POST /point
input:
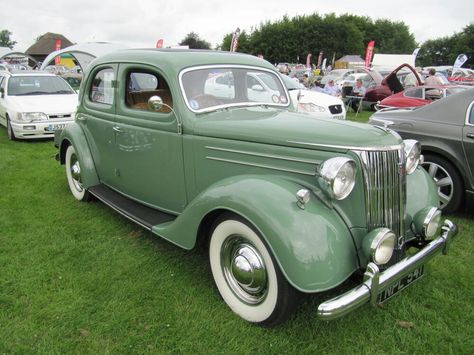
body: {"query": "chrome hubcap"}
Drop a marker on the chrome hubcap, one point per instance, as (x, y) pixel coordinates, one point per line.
(244, 270)
(75, 170)
(443, 182)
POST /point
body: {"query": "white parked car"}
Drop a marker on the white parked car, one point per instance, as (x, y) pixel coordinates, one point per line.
(315, 103)
(34, 104)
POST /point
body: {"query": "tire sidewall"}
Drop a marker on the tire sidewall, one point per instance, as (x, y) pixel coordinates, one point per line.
(79, 195)
(252, 313)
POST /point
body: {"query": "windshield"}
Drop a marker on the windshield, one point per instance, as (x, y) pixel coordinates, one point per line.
(38, 85)
(206, 89)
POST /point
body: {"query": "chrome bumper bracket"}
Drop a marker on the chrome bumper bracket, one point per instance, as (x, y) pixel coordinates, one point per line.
(376, 281)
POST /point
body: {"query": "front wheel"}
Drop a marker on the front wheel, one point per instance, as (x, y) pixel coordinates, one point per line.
(74, 177)
(11, 134)
(248, 278)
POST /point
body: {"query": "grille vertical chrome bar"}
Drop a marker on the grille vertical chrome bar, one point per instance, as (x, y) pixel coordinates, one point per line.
(385, 184)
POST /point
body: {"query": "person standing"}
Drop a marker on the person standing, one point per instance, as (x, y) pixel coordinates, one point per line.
(432, 79)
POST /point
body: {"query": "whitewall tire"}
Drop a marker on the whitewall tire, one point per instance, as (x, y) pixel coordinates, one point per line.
(246, 274)
(74, 178)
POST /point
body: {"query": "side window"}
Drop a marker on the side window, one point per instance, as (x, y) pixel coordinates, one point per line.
(142, 85)
(418, 93)
(102, 90)
(471, 115)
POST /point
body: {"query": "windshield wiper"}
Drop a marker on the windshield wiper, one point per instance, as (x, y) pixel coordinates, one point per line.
(33, 93)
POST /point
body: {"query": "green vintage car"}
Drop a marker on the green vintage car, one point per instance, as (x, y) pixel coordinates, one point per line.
(188, 145)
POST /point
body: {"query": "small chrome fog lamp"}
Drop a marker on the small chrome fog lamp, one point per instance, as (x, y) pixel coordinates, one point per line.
(427, 222)
(337, 177)
(412, 155)
(378, 245)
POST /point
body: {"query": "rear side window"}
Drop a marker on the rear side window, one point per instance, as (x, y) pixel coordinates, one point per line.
(102, 90)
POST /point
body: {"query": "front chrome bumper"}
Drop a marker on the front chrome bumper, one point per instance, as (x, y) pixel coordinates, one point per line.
(376, 281)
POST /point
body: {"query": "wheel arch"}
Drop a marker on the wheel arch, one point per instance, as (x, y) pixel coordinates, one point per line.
(313, 247)
(73, 135)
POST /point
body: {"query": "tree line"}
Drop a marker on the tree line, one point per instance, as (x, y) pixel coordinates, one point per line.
(291, 39)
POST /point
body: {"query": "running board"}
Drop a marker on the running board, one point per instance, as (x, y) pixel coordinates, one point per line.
(144, 216)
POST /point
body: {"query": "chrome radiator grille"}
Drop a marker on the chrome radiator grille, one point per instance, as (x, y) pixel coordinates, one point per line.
(385, 184)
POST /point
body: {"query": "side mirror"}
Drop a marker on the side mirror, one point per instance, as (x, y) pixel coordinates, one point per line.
(2, 93)
(155, 103)
(257, 87)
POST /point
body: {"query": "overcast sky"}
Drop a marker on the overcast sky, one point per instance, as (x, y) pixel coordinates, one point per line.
(140, 23)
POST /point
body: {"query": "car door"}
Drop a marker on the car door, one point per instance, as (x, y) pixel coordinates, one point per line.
(149, 153)
(97, 118)
(468, 141)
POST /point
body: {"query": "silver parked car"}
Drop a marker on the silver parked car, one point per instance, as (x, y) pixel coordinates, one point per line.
(445, 130)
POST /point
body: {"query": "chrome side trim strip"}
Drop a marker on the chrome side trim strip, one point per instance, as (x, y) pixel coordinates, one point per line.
(369, 149)
(262, 166)
(272, 156)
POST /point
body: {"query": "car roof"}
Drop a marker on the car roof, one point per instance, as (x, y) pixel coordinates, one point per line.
(175, 60)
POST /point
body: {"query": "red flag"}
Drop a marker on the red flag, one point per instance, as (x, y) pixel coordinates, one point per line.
(368, 54)
(57, 47)
(159, 44)
(308, 61)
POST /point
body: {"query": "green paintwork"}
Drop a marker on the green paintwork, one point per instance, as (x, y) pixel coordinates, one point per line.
(248, 160)
(313, 246)
(74, 135)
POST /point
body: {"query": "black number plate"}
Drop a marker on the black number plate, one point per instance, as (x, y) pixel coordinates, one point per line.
(401, 284)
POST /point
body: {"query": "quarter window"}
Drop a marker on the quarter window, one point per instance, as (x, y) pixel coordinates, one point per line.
(102, 90)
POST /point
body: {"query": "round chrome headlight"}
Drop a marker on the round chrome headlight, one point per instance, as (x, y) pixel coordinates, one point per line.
(379, 245)
(338, 177)
(412, 155)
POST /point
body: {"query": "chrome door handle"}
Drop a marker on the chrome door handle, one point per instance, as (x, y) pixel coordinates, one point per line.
(81, 118)
(470, 135)
(117, 129)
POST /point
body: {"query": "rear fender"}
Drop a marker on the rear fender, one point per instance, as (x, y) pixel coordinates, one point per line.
(313, 246)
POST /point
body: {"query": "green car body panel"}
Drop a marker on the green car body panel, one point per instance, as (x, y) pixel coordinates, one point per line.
(247, 160)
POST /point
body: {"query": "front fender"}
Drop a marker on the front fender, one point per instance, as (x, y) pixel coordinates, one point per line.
(74, 135)
(313, 246)
(421, 192)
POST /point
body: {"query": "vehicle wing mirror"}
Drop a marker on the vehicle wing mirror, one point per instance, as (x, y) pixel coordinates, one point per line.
(2, 93)
(155, 103)
(257, 87)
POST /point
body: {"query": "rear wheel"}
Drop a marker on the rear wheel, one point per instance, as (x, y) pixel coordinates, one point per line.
(246, 274)
(74, 177)
(448, 181)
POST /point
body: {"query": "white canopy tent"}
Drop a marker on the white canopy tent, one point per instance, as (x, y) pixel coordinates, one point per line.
(6, 52)
(392, 61)
(84, 53)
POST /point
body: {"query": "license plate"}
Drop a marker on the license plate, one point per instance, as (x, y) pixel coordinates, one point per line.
(338, 117)
(53, 127)
(401, 284)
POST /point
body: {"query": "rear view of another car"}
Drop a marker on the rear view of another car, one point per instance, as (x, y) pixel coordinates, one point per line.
(34, 104)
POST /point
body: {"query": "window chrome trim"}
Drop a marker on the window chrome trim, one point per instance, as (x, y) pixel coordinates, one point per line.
(232, 66)
(468, 114)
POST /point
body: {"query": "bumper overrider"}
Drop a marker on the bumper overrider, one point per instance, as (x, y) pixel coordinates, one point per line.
(376, 282)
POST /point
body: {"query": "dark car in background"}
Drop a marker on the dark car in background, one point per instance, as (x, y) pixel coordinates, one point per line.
(445, 130)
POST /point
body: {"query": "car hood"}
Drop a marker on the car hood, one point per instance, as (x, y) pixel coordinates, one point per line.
(280, 127)
(45, 103)
(317, 98)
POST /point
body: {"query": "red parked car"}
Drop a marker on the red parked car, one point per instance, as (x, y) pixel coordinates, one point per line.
(403, 76)
(419, 96)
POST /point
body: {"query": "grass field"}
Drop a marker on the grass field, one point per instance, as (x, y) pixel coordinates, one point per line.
(78, 278)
